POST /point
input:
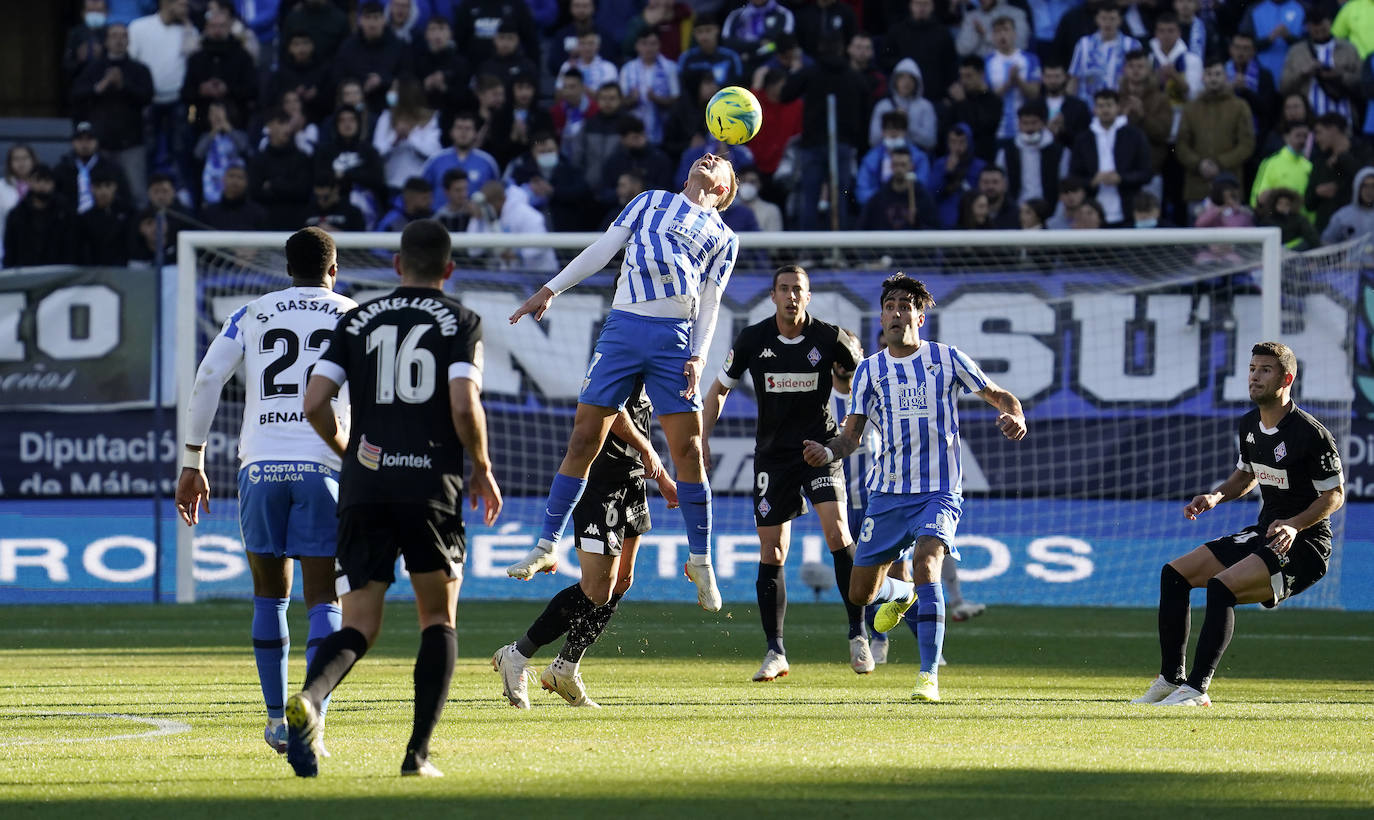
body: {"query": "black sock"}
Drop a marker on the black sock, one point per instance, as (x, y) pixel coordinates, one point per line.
(564, 608)
(332, 661)
(433, 671)
(1174, 623)
(772, 592)
(1216, 634)
(844, 567)
(585, 630)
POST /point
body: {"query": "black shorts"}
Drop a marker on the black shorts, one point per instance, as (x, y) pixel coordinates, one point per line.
(1302, 566)
(372, 535)
(783, 486)
(607, 514)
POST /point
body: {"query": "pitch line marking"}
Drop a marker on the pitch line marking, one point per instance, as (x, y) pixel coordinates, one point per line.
(161, 727)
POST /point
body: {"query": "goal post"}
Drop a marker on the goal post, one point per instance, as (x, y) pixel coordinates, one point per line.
(1123, 345)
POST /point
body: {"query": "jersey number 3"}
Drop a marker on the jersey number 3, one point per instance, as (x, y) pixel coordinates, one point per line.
(408, 373)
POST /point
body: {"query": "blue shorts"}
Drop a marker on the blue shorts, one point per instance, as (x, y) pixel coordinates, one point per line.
(631, 346)
(289, 509)
(893, 521)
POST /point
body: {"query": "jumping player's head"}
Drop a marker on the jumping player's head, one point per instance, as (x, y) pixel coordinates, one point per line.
(904, 302)
(1273, 367)
(426, 255)
(311, 259)
(715, 177)
(791, 294)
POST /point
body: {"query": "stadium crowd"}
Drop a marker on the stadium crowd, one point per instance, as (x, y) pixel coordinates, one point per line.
(531, 115)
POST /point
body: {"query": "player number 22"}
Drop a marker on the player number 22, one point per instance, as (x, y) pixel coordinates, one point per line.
(408, 372)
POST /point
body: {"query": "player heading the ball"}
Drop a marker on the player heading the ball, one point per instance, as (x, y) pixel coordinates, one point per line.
(678, 258)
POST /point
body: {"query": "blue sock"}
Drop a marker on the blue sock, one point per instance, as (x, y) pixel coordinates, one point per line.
(325, 620)
(930, 624)
(893, 590)
(695, 498)
(563, 496)
(271, 641)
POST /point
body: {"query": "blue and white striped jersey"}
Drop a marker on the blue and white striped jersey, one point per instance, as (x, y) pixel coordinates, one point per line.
(913, 403)
(675, 246)
(857, 463)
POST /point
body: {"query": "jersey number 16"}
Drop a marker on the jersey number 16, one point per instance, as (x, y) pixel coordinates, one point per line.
(408, 372)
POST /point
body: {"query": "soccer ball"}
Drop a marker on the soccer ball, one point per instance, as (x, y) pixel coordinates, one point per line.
(734, 115)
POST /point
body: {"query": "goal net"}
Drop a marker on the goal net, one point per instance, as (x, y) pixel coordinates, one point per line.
(1128, 349)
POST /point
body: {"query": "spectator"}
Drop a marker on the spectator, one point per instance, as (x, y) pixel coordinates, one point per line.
(974, 214)
(571, 105)
(552, 184)
(1099, 57)
(162, 198)
(457, 210)
(1089, 216)
(38, 231)
(784, 122)
(163, 42)
(507, 60)
(650, 84)
(753, 29)
(831, 75)
(876, 168)
(581, 18)
(464, 154)
(825, 20)
(742, 220)
(73, 171)
(1274, 25)
(954, 173)
(1073, 192)
(241, 32)
(145, 249)
(1355, 23)
(281, 176)
(1033, 214)
(1179, 70)
(479, 20)
(1145, 212)
(305, 134)
(19, 165)
(670, 19)
(860, 54)
(373, 54)
(321, 20)
(586, 58)
(685, 125)
(301, 70)
(634, 154)
(491, 103)
(219, 71)
(349, 94)
(975, 105)
(330, 210)
(102, 233)
(768, 215)
(349, 158)
(86, 39)
(599, 136)
(1074, 24)
(1282, 208)
(1034, 162)
(443, 73)
(925, 40)
(1224, 206)
(1002, 211)
(406, 136)
(1013, 74)
(627, 187)
(219, 147)
(498, 212)
(1149, 109)
(509, 134)
(1286, 167)
(404, 20)
(1114, 156)
(976, 30)
(1215, 135)
(1198, 35)
(1322, 68)
(235, 211)
(1251, 81)
(1334, 166)
(416, 202)
(1295, 108)
(708, 55)
(1357, 218)
(904, 95)
(111, 94)
(1068, 115)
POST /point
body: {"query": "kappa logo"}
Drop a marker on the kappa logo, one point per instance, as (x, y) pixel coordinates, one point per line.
(1280, 451)
(814, 356)
(767, 353)
(591, 530)
(1249, 438)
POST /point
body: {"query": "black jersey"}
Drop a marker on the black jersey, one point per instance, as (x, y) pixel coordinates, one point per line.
(1293, 463)
(618, 461)
(791, 381)
(399, 353)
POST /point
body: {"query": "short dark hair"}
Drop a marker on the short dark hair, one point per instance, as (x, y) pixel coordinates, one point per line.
(1053, 62)
(417, 185)
(629, 124)
(1213, 59)
(1137, 54)
(894, 119)
(160, 176)
(1289, 125)
(917, 289)
(972, 61)
(452, 175)
(309, 253)
(573, 72)
(42, 170)
(1317, 12)
(899, 152)
(1288, 360)
(1167, 17)
(1105, 6)
(1106, 94)
(1069, 184)
(1334, 119)
(796, 269)
(1034, 108)
(1144, 201)
(1003, 20)
(993, 169)
(425, 249)
(1249, 37)
(1043, 210)
(646, 33)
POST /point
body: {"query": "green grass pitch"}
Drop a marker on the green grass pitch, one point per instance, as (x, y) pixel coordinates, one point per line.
(1034, 722)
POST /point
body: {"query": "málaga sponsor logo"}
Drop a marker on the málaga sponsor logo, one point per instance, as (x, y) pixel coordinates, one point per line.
(790, 382)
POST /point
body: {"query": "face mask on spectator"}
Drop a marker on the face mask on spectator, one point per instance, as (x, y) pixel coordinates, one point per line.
(546, 162)
(748, 191)
(893, 143)
(392, 98)
(1032, 139)
(95, 19)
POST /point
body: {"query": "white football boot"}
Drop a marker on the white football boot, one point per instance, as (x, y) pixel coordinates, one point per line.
(774, 667)
(1160, 688)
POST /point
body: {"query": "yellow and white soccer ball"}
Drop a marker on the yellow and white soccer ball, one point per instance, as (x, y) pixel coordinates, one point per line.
(734, 115)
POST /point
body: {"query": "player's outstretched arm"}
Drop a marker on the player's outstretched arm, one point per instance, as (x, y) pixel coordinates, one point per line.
(1283, 533)
(1237, 484)
(624, 429)
(841, 446)
(1012, 420)
(319, 392)
(470, 423)
(592, 259)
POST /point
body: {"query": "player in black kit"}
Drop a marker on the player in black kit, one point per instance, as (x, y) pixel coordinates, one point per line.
(606, 524)
(791, 357)
(1295, 461)
(412, 360)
